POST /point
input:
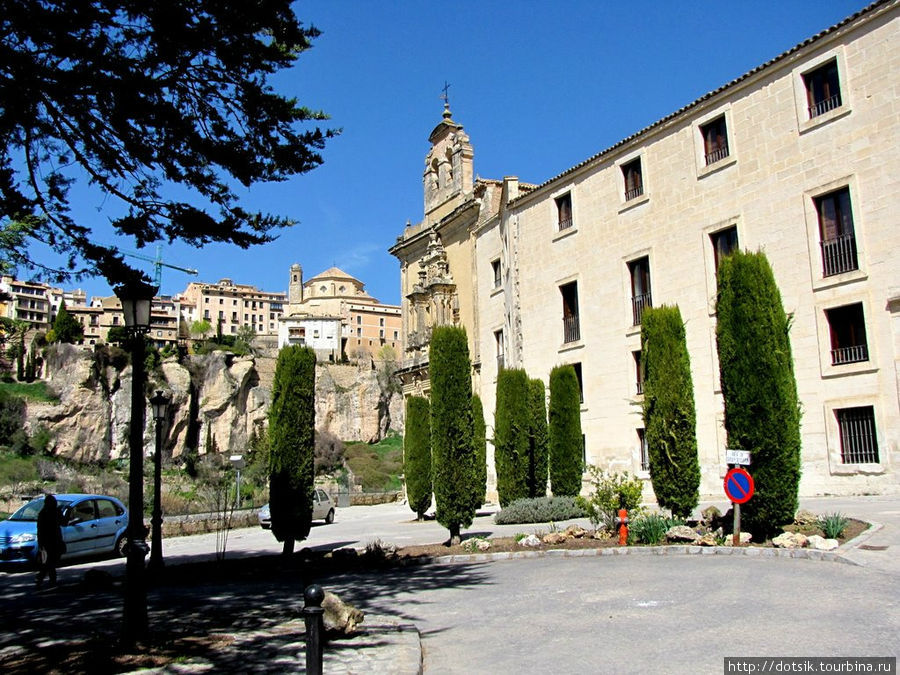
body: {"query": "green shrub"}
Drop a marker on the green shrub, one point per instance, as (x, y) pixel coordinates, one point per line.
(670, 419)
(759, 391)
(566, 443)
(538, 440)
(511, 435)
(539, 510)
(650, 529)
(608, 491)
(417, 454)
(833, 524)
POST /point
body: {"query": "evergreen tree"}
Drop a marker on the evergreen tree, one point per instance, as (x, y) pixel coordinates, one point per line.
(670, 419)
(29, 367)
(538, 440)
(452, 433)
(512, 423)
(480, 451)
(762, 413)
(164, 108)
(566, 443)
(292, 418)
(66, 327)
(417, 454)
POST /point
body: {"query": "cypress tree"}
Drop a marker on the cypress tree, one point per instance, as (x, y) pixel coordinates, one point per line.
(512, 424)
(670, 419)
(480, 432)
(762, 413)
(292, 418)
(565, 432)
(417, 454)
(538, 440)
(66, 327)
(452, 432)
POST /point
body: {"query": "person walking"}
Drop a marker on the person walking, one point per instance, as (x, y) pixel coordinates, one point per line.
(50, 540)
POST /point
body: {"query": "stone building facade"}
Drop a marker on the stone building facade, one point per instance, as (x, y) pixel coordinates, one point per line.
(797, 158)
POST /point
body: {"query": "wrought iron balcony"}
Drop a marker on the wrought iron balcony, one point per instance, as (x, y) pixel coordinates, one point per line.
(571, 328)
(638, 303)
(853, 354)
(839, 255)
(825, 105)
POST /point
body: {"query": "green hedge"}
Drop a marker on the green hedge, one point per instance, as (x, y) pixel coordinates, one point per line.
(762, 413)
(565, 432)
(512, 423)
(538, 440)
(417, 454)
(539, 510)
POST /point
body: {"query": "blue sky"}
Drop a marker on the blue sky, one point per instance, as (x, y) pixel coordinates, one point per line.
(538, 86)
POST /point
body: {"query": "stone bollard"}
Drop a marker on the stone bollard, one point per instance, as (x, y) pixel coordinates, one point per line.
(315, 627)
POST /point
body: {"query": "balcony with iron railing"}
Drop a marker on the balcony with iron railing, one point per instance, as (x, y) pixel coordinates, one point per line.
(825, 105)
(634, 193)
(565, 224)
(839, 255)
(717, 154)
(638, 303)
(571, 328)
(639, 387)
(852, 354)
(500, 362)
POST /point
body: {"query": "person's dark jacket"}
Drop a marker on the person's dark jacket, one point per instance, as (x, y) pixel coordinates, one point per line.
(49, 529)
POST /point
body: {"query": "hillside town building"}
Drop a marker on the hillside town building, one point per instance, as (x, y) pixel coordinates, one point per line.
(332, 313)
(799, 158)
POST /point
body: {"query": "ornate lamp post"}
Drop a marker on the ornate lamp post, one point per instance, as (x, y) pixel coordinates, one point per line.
(136, 298)
(160, 406)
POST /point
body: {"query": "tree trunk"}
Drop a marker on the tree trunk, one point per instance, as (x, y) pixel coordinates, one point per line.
(454, 534)
(288, 547)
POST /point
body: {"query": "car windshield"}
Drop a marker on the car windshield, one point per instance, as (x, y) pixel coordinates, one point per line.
(29, 512)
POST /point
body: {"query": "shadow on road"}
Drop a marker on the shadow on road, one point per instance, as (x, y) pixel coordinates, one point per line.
(221, 612)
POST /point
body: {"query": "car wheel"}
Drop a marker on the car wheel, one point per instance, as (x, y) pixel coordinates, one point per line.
(330, 517)
(122, 546)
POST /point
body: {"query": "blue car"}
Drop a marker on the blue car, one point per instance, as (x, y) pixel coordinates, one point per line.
(93, 526)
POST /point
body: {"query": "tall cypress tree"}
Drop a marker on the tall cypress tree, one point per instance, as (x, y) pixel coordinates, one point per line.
(292, 421)
(670, 418)
(452, 432)
(565, 432)
(538, 441)
(512, 424)
(417, 454)
(66, 327)
(762, 413)
(480, 433)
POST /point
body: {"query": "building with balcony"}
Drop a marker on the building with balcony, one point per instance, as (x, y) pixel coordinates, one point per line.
(229, 306)
(783, 159)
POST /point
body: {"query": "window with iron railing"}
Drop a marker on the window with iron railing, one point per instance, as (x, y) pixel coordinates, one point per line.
(564, 211)
(496, 270)
(859, 441)
(823, 89)
(715, 140)
(640, 288)
(645, 451)
(638, 372)
(836, 233)
(847, 326)
(571, 325)
(634, 179)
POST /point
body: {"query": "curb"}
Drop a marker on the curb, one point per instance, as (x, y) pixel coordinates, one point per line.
(752, 551)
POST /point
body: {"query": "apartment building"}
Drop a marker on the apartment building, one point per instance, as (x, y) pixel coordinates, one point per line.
(230, 306)
(797, 158)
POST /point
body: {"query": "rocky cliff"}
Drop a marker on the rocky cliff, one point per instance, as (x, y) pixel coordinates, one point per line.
(218, 396)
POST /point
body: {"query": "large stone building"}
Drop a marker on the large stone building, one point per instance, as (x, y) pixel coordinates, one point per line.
(797, 158)
(229, 305)
(332, 313)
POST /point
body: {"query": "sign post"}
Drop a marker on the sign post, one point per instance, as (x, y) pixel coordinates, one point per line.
(738, 488)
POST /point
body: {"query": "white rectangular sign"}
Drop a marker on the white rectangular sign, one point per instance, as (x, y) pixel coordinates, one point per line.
(740, 457)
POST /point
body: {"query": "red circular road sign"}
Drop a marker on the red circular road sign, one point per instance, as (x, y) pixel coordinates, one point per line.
(738, 485)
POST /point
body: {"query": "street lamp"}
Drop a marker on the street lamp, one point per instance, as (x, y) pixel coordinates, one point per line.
(237, 461)
(160, 406)
(136, 298)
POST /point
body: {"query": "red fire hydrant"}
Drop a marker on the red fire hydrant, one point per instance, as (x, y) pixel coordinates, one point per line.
(622, 522)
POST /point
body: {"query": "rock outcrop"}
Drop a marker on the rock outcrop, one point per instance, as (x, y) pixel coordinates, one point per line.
(218, 397)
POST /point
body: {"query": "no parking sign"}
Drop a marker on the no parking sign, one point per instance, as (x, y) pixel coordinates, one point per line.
(738, 485)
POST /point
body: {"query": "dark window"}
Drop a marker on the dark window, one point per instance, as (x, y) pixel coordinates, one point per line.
(823, 89)
(583, 450)
(577, 367)
(84, 511)
(106, 509)
(838, 239)
(724, 242)
(564, 211)
(634, 180)
(645, 453)
(495, 268)
(381, 321)
(498, 341)
(859, 443)
(848, 334)
(715, 140)
(638, 372)
(640, 287)
(571, 326)
(358, 319)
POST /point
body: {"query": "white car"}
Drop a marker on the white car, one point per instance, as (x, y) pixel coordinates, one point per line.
(323, 509)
